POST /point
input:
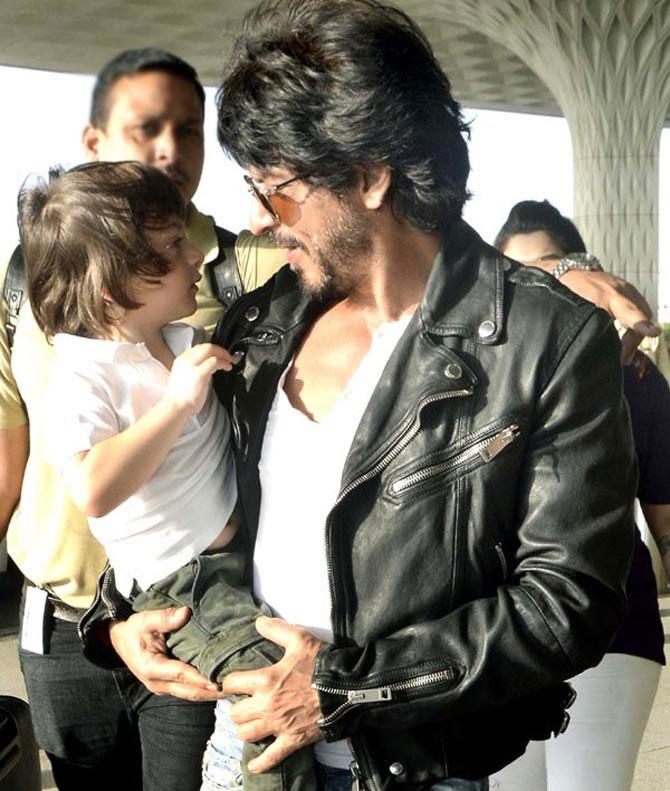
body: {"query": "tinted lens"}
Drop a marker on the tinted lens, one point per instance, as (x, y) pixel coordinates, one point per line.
(263, 199)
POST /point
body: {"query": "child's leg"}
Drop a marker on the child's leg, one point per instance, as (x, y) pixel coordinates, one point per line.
(221, 637)
(226, 759)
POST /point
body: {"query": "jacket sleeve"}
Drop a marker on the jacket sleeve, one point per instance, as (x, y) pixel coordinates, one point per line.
(562, 599)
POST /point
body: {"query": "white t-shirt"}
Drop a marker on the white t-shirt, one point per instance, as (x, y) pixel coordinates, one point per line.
(300, 469)
(98, 389)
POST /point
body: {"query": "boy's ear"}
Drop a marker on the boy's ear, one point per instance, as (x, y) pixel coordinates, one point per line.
(90, 138)
(374, 181)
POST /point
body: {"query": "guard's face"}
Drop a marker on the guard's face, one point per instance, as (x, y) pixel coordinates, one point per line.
(154, 118)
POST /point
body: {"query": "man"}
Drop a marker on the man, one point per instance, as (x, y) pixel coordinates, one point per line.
(147, 105)
(438, 435)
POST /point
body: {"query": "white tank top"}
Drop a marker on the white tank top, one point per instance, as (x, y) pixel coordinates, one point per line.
(300, 474)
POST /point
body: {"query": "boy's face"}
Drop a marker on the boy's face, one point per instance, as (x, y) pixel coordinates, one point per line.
(155, 118)
(173, 297)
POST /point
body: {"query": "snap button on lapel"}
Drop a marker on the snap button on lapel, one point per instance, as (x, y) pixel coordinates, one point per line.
(396, 768)
(252, 313)
(453, 371)
(486, 328)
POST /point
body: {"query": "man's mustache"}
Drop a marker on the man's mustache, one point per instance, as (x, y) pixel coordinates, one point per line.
(289, 242)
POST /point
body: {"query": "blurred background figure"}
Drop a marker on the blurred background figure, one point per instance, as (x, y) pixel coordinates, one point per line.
(599, 749)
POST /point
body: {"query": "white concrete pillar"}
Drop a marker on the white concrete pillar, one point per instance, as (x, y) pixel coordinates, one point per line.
(608, 64)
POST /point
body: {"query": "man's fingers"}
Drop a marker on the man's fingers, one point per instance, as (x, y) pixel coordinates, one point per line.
(284, 634)
(646, 328)
(242, 682)
(243, 710)
(139, 641)
(629, 342)
(253, 731)
(163, 621)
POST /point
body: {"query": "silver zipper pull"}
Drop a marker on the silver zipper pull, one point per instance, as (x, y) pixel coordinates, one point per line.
(355, 776)
(499, 443)
(369, 695)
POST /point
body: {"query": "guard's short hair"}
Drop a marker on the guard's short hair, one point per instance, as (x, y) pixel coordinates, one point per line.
(325, 87)
(83, 235)
(131, 62)
(529, 216)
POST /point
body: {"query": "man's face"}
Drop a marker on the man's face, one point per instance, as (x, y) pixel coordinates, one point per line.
(326, 236)
(155, 118)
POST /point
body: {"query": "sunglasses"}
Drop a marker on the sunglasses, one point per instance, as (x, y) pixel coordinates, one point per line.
(263, 195)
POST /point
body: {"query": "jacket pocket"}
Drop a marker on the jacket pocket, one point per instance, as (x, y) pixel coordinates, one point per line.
(482, 451)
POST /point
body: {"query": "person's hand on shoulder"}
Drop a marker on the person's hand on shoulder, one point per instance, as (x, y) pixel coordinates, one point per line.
(621, 300)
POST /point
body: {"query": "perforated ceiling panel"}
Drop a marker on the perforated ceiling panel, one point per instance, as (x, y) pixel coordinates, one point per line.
(80, 35)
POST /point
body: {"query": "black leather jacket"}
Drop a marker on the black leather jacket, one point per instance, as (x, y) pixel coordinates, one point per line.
(480, 542)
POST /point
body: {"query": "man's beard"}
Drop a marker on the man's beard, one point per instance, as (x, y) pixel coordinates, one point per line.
(338, 253)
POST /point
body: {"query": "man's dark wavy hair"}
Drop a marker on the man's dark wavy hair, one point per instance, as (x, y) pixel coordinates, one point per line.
(325, 87)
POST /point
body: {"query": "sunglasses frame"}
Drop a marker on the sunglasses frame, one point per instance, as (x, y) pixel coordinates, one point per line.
(263, 195)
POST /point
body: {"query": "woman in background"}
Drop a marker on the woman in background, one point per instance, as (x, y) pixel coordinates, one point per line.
(599, 749)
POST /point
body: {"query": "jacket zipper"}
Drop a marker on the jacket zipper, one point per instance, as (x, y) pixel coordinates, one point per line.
(357, 697)
(487, 449)
(411, 432)
(357, 780)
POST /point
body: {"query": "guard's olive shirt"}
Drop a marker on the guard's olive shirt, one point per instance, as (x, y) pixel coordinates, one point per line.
(48, 536)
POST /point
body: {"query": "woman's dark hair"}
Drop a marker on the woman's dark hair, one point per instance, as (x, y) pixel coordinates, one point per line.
(529, 216)
(327, 87)
(83, 236)
(135, 61)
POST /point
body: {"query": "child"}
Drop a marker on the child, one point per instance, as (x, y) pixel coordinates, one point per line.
(141, 440)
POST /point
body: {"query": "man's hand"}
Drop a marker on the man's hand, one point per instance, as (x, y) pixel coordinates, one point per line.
(281, 700)
(140, 642)
(621, 300)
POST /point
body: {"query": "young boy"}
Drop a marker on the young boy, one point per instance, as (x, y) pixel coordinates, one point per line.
(141, 440)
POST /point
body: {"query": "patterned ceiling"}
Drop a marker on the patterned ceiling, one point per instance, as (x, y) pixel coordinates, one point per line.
(80, 35)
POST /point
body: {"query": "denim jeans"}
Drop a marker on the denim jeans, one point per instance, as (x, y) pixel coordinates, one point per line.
(103, 730)
(222, 769)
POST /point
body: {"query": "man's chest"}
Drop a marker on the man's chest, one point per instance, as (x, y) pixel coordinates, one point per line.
(324, 364)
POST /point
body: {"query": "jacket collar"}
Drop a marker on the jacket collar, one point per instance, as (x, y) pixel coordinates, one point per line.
(464, 294)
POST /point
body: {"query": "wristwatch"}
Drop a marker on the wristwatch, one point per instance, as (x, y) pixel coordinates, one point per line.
(583, 262)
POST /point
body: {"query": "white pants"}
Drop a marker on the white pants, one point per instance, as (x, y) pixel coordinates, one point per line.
(599, 749)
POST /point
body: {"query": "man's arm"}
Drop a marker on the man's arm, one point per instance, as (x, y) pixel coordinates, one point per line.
(619, 298)
(13, 457)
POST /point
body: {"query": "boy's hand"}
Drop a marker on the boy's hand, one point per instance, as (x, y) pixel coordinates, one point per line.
(191, 373)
